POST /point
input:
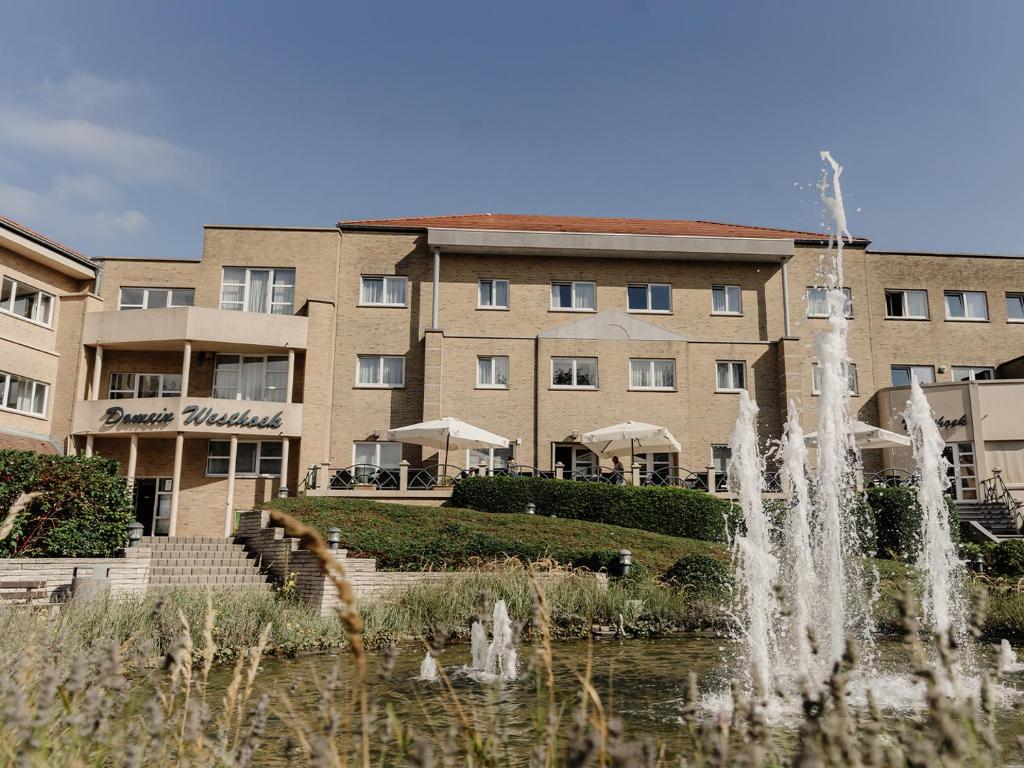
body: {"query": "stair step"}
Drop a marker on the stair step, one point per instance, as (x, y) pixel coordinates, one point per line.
(164, 588)
(204, 579)
(216, 570)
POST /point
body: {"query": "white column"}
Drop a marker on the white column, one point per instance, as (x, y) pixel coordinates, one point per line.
(785, 297)
(97, 368)
(435, 309)
(179, 447)
(88, 445)
(291, 378)
(286, 445)
(186, 366)
(230, 506)
(133, 458)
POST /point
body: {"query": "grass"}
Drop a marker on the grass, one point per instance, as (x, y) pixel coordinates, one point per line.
(405, 537)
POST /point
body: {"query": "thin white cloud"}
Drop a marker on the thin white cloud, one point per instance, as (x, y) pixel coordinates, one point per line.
(123, 223)
(69, 205)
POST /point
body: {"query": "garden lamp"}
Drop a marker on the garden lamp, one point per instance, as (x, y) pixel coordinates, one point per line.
(625, 561)
(531, 508)
(334, 537)
(134, 533)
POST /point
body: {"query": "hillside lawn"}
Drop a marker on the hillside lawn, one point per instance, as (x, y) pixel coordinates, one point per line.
(407, 538)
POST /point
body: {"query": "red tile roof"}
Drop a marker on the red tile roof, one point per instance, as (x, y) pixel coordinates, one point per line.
(22, 443)
(44, 240)
(529, 223)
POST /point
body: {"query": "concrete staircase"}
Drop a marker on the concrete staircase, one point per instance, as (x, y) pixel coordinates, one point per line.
(201, 562)
(992, 517)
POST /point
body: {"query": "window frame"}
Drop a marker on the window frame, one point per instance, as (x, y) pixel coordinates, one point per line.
(851, 367)
(910, 372)
(136, 381)
(480, 384)
(258, 458)
(973, 369)
(575, 373)
(817, 316)
(493, 281)
(145, 297)
(963, 300)
(264, 389)
(573, 284)
(385, 279)
(732, 378)
(380, 372)
(377, 445)
(1019, 296)
(726, 289)
(648, 309)
(904, 291)
(651, 361)
(271, 284)
(51, 302)
(5, 385)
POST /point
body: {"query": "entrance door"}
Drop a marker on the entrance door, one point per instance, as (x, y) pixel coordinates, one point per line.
(654, 467)
(153, 504)
(578, 460)
(963, 473)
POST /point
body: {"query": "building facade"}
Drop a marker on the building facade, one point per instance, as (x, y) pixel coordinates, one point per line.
(281, 350)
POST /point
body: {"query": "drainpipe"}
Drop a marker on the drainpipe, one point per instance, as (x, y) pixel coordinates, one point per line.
(435, 309)
(785, 298)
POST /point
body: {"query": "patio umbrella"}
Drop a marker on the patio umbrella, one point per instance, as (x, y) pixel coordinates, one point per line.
(446, 433)
(630, 435)
(868, 436)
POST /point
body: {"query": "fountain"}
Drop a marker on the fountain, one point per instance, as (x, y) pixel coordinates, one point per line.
(490, 659)
(428, 668)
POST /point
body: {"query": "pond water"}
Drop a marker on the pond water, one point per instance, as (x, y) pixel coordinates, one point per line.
(642, 682)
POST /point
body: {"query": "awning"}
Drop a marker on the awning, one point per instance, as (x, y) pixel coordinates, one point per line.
(630, 437)
(446, 433)
(867, 436)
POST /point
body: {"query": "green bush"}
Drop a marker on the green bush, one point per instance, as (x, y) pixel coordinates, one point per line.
(1008, 558)
(672, 511)
(699, 573)
(896, 522)
(83, 510)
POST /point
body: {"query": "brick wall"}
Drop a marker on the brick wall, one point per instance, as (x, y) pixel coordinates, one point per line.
(128, 575)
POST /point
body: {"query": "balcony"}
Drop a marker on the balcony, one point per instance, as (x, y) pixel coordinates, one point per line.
(195, 416)
(168, 329)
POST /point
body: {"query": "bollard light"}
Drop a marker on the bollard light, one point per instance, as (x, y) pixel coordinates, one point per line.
(134, 533)
(282, 492)
(531, 508)
(334, 537)
(625, 561)
(979, 563)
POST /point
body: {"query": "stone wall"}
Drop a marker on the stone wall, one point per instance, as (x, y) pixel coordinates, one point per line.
(128, 575)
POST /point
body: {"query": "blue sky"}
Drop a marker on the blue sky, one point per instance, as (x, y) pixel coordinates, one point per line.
(124, 127)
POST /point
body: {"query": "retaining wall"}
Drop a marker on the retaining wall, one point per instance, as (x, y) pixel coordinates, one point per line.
(128, 575)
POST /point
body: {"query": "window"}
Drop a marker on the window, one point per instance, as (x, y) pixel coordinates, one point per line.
(130, 385)
(26, 302)
(492, 294)
(251, 458)
(725, 300)
(22, 394)
(909, 305)
(251, 377)
(574, 297)
(156, 298)
(384, 291)
(383, 455)
(245, 289)
(901, 374)
(574, 372)
(973, 372)
(851, 378)
(966, 305)
(720, 456)
(494, 458)
(649, 297)
(817, 302)
(386, 371)
(1015, 307)
(652, 374)
(730, 375)
(492, 372)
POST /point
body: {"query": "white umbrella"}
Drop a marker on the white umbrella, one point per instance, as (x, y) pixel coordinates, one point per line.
(446, 433)
(868, 436)
(629, 436)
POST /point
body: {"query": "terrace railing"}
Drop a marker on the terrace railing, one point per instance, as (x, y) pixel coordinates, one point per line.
(437, 476)
(678, 477)
(890, 477)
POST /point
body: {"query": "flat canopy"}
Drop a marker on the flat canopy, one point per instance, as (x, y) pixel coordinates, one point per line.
(869, 436)
(630, 437)
(447, 433)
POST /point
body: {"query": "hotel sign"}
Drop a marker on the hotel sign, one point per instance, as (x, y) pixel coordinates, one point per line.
(193, 415)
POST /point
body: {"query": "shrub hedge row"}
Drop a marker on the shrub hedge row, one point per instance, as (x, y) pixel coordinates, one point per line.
(83, 510)
(893, 527)
(672, 511)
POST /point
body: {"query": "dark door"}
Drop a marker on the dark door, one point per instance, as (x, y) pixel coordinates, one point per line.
(145, 503)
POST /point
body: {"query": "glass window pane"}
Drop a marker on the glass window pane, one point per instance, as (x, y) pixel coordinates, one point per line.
(665, 374)
(486, 298)
(732, 298)
(586, 372)
(817, 306)
(900, 376)
(39, 398)
(917, 304)
(284, 277)
(365, 453)
(501, 293)
(561, 371)
(394, 371)
(25, 300)
(149, 385)
(720, 455)
(1015, 307)
(816, 378)
(395, 290)
(977, 307)
(894, 304)
(369, 370)
(6, 293)
(661, 298)
(259, 289)
(738, 376)
(954, 305)
(848, 304)
(722, 379)
(718, 299)
(586, 296)
(121, 385)
(282, 299)
(373, 290)
(851, 378)
(45, 308)
(637, 297)
(245, 459)
(925, 374)
(131, 298)
(183, 297)
(390, 455)
(561, 295)
(639, 373)
(156, 298)
(483, 371)
(500, 371)
(172, 384)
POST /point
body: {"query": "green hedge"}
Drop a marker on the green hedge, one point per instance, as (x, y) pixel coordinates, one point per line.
(83, 511)
(672, 511)
(891, 519)
(1007, 559)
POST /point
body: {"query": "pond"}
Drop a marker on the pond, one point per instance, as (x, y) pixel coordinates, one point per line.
(642, 682)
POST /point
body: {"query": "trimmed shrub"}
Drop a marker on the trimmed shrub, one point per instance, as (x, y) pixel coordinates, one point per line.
(83, 510)
(1007, 558)
(699, 573)
(672, 511)
(896, 522)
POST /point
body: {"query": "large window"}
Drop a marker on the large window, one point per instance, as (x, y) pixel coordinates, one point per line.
(901, 374)
(851, 378)
(649, 297)
(26, 302)
(385, 371)
(374, 454)
(252, 458)
(726, 300)
(156, 298)
(22, 394)
(1015, 307)
(652, 374)
(730, 375)
(973, 372)
(247, 289)
(492, 294)
(966, 305)
(494, 458)
(907, 305)
(574, 296)
(720, 456)
(384, 291)
(817, 302)
(129, 385)
(492, 372)
(574, 372)
(251, 377)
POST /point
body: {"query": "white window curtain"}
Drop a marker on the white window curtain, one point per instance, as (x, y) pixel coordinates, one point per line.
(723, 376)
(976, 305)
(373, 290)
(916, 303)
(259, 283)
(718, 300)
(394, 371)
(225, 377)
(501, 293)
(252, 378)
(394, 290)
(232, 294)
(585, 296)
(664, 374)
(492, 371)
(282, 297)
(639, 374)
(817, 303)
(369, 369)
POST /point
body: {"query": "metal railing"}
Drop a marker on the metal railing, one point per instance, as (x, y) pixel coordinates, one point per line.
(521, 470)
(438, 476)
(598, 474)
(363, 474)
(890, 477)
(994, 489)
(678, 477)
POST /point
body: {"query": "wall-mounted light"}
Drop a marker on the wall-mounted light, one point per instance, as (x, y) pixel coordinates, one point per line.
(201, 359)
